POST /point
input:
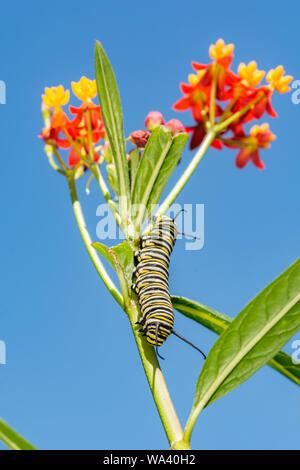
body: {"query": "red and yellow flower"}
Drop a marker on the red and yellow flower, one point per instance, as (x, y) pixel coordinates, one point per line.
(247, 99)
(260, 137)
(278, 81)
(84, 130)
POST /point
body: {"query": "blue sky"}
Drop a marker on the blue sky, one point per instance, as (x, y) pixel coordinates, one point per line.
(73, 378)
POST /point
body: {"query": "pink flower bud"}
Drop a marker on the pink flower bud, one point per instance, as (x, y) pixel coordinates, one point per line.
(154, 119)
(105, 148)
(139, 138)
(175, 126)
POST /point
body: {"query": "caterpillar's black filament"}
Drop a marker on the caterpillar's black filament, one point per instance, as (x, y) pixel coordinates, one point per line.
(152, 282)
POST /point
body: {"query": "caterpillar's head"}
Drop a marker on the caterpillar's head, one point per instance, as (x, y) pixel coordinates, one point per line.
(156, 219)
(156, 335)
(166, 224)
(164, 219)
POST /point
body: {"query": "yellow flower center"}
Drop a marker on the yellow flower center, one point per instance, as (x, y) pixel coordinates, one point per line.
(194, 78)
(250, 74)
(85, 89)
(197, 96)
(278, 81)
(220, 49)
(56, 97)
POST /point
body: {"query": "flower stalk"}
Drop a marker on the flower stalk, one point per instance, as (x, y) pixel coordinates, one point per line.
(210, 136)
(88, 241)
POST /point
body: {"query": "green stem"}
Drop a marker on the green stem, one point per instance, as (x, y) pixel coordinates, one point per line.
(91, 146)
(187, 173)
(72, 143)
(88, 242)
(103, 186)
(213, 99)
(223, 124)
(105, 191)
(94, 168)
(49, 152)
(208, 139)
(59, 159)
(154, 375)
(97, 173)
(157, 383)
(228, 109)
(192, 421)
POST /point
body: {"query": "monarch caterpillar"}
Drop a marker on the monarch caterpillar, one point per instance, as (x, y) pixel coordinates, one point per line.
(152, 282)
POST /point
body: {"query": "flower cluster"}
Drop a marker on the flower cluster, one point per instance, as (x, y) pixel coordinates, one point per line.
(221, 102)
(83, 131)
(236, 99)
(154, 119)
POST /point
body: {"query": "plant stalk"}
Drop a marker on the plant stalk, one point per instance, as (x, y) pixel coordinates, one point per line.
(88, 242)
(187, 173)
(148, 357)
(157, 383)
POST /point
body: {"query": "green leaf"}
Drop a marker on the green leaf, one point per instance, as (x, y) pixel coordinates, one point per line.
(113, 120)
(151, 162)
(250, 341)
(170, 162)
(124, 254)
(283, 363)
(12, 439)
(218, 322)
(121, 259)
(133, 166)
(208, 317)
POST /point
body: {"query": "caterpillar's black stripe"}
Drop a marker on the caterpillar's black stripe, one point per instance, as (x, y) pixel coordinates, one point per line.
(152, 281)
